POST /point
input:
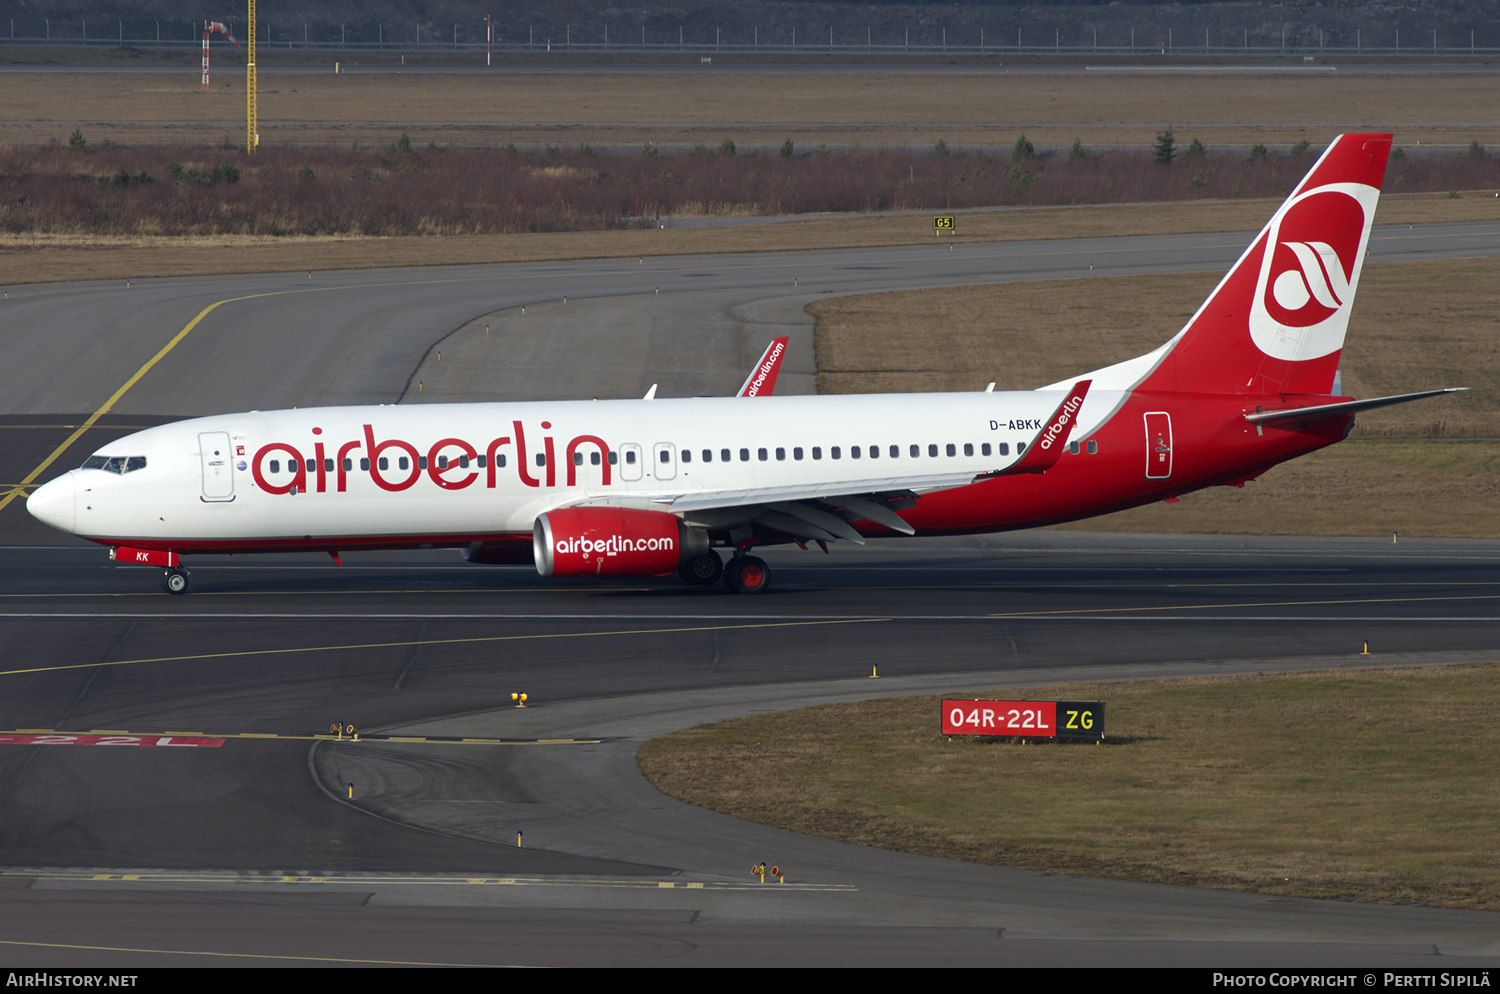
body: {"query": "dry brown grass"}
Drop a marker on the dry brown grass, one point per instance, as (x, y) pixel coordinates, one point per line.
(1365, 785)
(42, 259)
(987, 108)
(1417, 325)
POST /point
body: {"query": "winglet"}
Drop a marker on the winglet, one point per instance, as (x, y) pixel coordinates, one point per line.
(1044, 451)
(762, 379)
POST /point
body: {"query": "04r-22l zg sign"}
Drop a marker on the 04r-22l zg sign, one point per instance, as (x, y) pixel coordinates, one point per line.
(1082, 720)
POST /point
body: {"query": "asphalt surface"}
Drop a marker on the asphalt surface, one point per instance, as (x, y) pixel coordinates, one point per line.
(256, 852)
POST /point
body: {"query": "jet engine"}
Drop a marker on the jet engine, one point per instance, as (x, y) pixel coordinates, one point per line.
(613, 541)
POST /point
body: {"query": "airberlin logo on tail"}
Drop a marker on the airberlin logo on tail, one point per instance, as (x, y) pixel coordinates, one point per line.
(773, 356)
(1308, 272)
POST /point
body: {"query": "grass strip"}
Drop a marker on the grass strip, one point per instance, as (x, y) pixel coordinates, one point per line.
(1361, 785)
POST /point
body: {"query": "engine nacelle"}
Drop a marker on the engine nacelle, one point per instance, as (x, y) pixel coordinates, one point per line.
(613, 541)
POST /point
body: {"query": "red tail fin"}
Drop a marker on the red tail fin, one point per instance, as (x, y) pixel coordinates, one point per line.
(1276, 323)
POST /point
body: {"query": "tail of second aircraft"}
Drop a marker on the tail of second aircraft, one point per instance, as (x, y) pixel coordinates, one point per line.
(1275, 324)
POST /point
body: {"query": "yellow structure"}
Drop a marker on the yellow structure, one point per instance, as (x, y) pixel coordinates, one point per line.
(252, 124)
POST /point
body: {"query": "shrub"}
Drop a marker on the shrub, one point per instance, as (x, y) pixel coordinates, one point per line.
(306, 174)
(1195, 150)
(1077, 152)
(941, 148)
(1300, 149)
(1398, 153)
(726, 146)
(1476, 150)
(403, 144)
(225, 172)
(584, 148)
(552, 150)
(787, 150)
(1022, 150)
(76, 141)
(648, 151)
(1257, 151)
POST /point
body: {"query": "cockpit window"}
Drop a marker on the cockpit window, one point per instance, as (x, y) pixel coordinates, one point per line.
(115, 464)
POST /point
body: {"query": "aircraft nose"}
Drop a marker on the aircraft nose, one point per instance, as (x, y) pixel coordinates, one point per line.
(55, 504)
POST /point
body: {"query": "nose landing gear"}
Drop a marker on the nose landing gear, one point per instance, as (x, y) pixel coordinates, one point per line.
(174, 580)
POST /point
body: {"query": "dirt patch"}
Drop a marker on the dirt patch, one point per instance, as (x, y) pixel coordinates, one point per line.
(983, 108)
(1364, 786)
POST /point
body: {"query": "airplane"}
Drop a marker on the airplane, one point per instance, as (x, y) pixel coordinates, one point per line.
(645, 488)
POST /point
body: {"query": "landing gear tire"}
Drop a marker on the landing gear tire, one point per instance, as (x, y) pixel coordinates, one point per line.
(702, 570)
(747, 575)
(174, 581)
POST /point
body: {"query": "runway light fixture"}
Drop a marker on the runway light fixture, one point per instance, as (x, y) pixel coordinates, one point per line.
(520, 700)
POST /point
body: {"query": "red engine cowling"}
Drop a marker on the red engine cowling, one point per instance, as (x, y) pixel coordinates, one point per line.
(612, 541)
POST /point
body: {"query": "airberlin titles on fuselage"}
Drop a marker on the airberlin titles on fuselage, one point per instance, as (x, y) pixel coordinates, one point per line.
(452, 463)
(395, 464)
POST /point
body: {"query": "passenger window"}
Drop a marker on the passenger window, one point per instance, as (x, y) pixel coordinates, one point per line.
(1020, 447)
(895, 451)
(744, 455)
(833, 452)
(594, 459)
(932, 451)
(854, 452)
(442, 462)
(666, 455)
(364, 464)
(984, 449)
(687, 455)
(968, 448)
(761, 454)
(138, 462)
(311, 465)
(952, 449)
(479, 461)
(614, 459)
(500, 459)
(463, 462)
(328, 465)
(276, 465)
(874, 452)
(708, 455)
(1003, 448)
(348, 465)
(1093, 447)
(723, 455)
(541, 459)
(817, 452)
(916, 450)
(797, 453)
(781, 455)
(578, 459)
(630, 458)
(383, 463)
(1073, 448)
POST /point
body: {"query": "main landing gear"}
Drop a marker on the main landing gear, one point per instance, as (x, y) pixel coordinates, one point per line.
(702, 570)
(743, 575)
(747, 575)
(174, 580)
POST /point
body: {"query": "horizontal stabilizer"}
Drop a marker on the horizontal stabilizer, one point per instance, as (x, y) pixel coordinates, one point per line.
(1343, 407)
